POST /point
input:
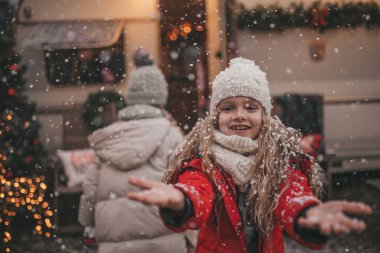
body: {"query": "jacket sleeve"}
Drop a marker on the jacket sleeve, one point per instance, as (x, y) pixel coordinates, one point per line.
(89, 196)
(296, 195)
(199, 190)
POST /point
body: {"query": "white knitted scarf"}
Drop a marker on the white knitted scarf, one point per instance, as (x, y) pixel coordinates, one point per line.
(236, 155)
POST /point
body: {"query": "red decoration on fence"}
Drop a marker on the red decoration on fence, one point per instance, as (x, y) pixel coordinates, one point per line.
(319, 16)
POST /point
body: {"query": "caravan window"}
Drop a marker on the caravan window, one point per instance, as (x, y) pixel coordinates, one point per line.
(86, 66)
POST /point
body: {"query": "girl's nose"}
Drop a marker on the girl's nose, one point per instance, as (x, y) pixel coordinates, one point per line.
(240, 115)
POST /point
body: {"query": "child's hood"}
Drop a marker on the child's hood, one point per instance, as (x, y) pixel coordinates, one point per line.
(128, 144)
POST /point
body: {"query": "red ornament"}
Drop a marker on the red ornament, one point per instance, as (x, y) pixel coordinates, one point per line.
(11, 92)
(319, 16)
(9, 175)
(14, 67)
(29, 159)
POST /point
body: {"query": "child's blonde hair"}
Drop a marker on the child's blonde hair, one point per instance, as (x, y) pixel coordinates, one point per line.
(277, 145)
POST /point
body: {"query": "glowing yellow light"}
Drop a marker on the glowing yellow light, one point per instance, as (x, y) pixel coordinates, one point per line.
(38, 180)
(22, 180)
(186, 27)
(9, 117)
(8, 235)
(47, 234)
(48, 223)
(10, 193)
(8, 250)
(2, 195)
(29, 207)
(26, 124)
(43, 186)
(172, 37)
(45, 204)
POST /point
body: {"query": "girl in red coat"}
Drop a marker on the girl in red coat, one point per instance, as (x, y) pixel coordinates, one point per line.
(242, 178)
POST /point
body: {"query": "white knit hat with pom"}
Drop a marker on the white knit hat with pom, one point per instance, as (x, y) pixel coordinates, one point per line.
(243, 78)
(147, 84)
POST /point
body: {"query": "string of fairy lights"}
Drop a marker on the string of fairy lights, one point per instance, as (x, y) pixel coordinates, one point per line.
(27, 193)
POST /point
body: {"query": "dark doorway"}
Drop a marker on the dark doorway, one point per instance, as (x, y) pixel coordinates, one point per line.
(184, 61)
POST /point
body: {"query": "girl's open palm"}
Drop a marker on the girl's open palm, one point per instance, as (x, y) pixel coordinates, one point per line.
(332, 217)
(157, 193)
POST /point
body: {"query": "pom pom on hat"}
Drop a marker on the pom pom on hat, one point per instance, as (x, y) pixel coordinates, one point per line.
(142, 58)
(147, 84)
(242, 78)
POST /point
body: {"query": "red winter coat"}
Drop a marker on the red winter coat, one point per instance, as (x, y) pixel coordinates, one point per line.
(230, 238)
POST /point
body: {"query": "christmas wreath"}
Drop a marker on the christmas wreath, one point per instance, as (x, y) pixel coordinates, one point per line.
(317, 16)
(94, 106)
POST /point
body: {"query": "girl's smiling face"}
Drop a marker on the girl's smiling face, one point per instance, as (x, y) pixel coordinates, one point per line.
(240, 116)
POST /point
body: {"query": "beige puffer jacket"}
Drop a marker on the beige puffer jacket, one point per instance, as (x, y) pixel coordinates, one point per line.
(139, 148)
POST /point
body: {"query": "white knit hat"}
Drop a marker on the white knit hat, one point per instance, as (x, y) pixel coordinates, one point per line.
(147, 84)
(243, 78)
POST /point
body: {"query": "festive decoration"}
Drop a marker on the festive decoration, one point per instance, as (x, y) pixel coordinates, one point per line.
(25, 193)
(319, 15)
(22, 158)
(11, 92)
(95, 105)
(183, 31)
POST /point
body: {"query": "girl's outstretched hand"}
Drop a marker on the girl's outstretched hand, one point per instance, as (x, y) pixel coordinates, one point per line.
(332, 217)
(157, 193)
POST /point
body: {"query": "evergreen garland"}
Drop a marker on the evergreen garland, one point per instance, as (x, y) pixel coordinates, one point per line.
(94, 106)
(317, 16)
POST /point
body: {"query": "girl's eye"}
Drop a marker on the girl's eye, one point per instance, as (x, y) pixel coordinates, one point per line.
(251, 107)
(226, 108)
